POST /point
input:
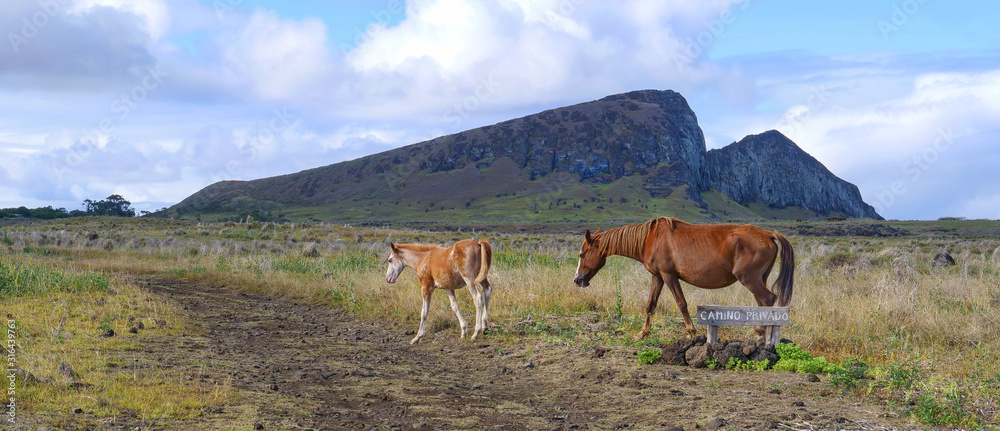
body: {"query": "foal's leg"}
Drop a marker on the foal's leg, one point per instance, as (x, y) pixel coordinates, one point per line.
(458, 312)
(487, 294)
(654, 295)
(425, 291)
(478, 300)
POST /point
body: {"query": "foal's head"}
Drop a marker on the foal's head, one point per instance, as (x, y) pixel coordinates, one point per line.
(396, 264)
(592, 259)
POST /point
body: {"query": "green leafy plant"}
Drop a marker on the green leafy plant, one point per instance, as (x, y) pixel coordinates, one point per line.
(650, 356)
(933, 411)
(849, 374)
(793, 358)
(712, 363)
(735, 364)
(902, 375)
(106, 324)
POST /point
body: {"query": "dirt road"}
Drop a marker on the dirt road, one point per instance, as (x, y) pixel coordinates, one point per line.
(298, 366)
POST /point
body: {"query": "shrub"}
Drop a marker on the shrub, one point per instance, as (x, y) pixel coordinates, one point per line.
(902, 375)
(849, 374)
(650, 356)
(932, 411)
(793, 358)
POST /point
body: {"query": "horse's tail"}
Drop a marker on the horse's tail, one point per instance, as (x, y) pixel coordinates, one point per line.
(783, 285)
(486, 259)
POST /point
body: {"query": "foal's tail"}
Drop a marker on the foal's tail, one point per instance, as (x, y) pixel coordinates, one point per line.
(783, 285)
(486, 259)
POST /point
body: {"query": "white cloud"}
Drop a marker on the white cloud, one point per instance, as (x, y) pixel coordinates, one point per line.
(550, 52)
(985, 206)
(279, 58)
(154, 13)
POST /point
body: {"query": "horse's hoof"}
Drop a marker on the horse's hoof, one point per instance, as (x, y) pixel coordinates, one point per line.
(414, 341)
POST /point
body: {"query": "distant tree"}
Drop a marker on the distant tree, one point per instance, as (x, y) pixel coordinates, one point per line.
(114, 205)
(40, 213)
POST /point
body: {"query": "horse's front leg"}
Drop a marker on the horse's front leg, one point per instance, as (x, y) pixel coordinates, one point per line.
(425, 291)
(654, 295)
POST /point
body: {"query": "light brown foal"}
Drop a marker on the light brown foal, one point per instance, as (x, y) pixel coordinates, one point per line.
(464, 264)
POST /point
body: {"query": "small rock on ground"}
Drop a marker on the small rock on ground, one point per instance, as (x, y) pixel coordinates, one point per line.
(715, 424)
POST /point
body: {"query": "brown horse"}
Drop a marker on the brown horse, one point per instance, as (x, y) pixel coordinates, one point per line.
(706, 256)
(464, 264)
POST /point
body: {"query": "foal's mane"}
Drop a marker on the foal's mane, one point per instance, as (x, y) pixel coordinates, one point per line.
(628, 240)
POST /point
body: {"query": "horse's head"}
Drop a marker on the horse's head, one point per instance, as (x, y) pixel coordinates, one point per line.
(592, 259)
(396, 264)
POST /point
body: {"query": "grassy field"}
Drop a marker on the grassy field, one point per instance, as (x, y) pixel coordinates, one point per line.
(925, 339)
(60, 315)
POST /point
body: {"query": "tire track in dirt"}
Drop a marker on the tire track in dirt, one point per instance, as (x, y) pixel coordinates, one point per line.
(340, 372)
(300, 366)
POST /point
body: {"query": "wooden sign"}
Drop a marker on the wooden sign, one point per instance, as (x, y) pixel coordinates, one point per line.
(771, 318)
(718, 315)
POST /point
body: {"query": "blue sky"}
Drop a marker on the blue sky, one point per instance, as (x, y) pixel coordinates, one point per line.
(155, 99)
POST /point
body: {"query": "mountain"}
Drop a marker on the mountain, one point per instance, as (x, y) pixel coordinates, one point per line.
(770, 168)
(626, 156)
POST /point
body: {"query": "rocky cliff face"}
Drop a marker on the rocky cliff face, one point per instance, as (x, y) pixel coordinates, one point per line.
(770, 168)
(602, 141)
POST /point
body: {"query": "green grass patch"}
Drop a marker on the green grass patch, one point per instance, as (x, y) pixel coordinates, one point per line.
(793, 358)
(21, 277)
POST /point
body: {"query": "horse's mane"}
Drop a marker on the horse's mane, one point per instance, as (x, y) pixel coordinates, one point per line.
(420, 248)
(627, 240)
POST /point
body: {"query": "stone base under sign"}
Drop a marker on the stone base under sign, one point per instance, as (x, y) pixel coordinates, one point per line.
(696, 352)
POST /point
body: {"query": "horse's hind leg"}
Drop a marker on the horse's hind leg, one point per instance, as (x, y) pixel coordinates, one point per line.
(764, 297)
(458, 312)
(477, 298)
(487, 295)
(675, 288)
(425, 291)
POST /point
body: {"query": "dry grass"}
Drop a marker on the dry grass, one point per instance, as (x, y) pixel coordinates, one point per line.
(878, 300)
(60, 315)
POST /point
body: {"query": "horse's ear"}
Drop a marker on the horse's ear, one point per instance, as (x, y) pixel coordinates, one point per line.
(392, 246)
(590, 239)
